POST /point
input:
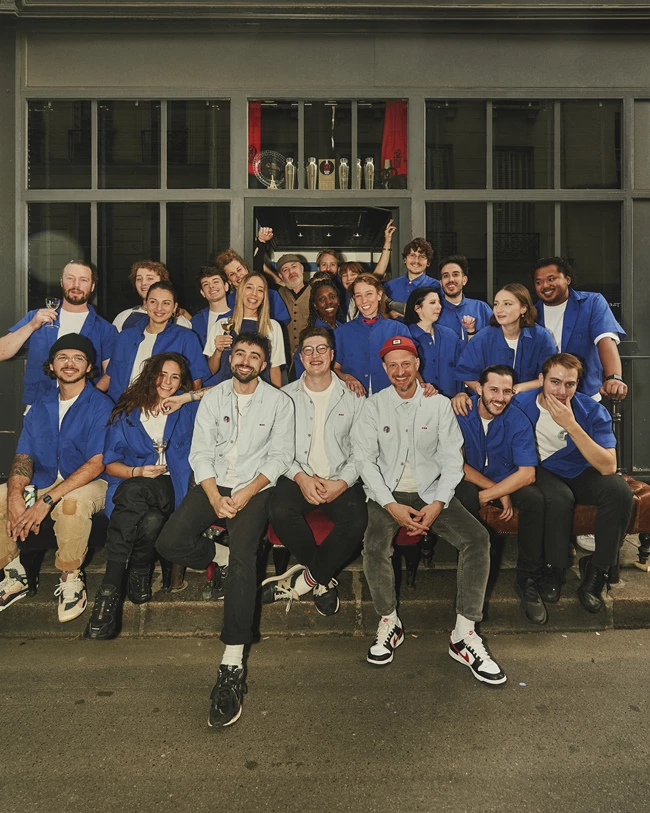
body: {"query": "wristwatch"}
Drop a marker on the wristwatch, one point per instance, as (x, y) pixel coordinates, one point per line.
(48, 500)
(614, 377)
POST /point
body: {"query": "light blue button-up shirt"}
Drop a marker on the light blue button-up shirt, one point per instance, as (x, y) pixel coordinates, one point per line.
(426, 428)
(266, 445)
(343, 410)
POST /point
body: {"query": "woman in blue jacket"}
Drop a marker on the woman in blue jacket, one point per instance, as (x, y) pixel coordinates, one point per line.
(146, 456)
(439, 347)
(358, 342)
(512, 338)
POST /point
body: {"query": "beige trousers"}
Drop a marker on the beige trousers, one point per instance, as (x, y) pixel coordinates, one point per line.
(72, 523)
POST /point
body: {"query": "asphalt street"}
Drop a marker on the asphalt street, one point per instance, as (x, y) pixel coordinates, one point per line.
(122, 726)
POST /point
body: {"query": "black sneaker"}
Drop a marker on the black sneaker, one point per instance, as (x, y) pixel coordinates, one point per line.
(594, 581)
(326, 598)
(550, 584)
(215, 589)
(531, 602)
(139, 586)
(227, 696)
(280, 587)
(104, 619)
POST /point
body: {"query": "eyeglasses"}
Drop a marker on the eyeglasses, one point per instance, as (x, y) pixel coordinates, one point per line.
(321, 350)
(74, 359)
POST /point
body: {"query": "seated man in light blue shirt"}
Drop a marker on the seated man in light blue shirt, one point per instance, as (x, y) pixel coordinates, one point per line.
(322, 476)
(243, 441)
(408, 450)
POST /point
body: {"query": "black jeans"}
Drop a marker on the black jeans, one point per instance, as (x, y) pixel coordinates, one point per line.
(348, 512)
(142, 507)
(182, 541)
(608, 492)
(529, 501)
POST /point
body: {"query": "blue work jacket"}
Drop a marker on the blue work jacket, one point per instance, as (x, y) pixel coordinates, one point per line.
(357, 349)
(438, 357)
(489, 347)
(277, 308)
(451, 315)
(173, 339)
(127, 442)
(590, 415)
(200, 324)
(508, 444)
(98, 331)
(82, 434)
(586, 317)
(400, 288)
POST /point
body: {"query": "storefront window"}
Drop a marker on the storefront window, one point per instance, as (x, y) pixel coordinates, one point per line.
(383, 140)
(328, 139)
(272, 139)
(198, 144)
(522, 137)
(591, 145)
(460, 228)
(58, 144)
(456, 145)
(523, 232)
(129, 145)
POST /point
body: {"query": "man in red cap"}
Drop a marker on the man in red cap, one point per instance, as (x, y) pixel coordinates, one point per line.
(408, 449)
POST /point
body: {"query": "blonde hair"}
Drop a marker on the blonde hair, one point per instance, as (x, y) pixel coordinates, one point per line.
(263, 317)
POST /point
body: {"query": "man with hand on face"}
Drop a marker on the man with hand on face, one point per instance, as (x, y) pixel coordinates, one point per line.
(408, 451)
(465, 316)
(577, 449)
(322, 476)
(39, 329)
(582, 324)
(243, 441)
(60, 451)
(500, 461)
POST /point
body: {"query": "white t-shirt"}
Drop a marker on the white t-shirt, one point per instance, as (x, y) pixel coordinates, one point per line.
(243, 403)
(121, 318)
(71, 322)
(154, 426)
(554, 321)
(275, 338)
(145, 349)
(317, 452)
(486, 424)
(213, 319)
(407, 481)
(512, 344)
(64, 406)
(549, 435)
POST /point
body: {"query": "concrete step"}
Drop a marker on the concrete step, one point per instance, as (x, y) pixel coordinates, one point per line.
(429, 607)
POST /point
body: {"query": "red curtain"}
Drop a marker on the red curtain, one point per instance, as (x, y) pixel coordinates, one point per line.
(394, 145)
(254, 133)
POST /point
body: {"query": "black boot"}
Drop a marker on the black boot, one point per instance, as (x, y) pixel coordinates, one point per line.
(166, 573)
(139, 585)
(550, 583)
(531, 602)
(104, 620)
(594, 580)
(427, 547)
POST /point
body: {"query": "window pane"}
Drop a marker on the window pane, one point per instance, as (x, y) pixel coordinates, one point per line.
(523, 232)
(328, 135)
(383, 137)
(272, 138)
(126, 232)
(456, 139)
(198, 145)
(591, 239)
(196, 233)
(58, 145)
(58, 233)
(129, 145)
(522, 134)
(642, 144)
(591, 145)
(460, 228)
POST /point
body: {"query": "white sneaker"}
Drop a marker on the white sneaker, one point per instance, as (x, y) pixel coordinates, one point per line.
(389, 636)
(586, 541)
(12, 587)
(72, 596)
(281, 587)
(471, 652)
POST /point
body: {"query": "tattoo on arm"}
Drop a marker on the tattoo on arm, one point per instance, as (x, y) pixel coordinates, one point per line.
(23, 466)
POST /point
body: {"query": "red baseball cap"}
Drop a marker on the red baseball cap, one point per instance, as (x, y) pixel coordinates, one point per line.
(398, 343)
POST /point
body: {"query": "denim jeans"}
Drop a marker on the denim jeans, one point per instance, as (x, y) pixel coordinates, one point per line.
(457, 526)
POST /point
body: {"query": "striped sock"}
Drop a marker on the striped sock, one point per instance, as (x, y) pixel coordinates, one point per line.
(304, 583)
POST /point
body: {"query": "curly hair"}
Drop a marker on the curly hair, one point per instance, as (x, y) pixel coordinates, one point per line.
(228, 256)
(92, 373)
(157, 268)
(419, 244)
(315, 288)
(142, 393)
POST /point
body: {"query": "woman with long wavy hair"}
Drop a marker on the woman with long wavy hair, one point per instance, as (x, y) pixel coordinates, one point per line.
(250, 315)
(146, 457)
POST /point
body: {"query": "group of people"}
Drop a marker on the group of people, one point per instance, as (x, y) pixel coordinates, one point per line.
(403, 405)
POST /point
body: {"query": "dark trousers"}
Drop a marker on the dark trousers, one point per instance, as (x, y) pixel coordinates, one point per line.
(529, 501)
(613, 500)
(182, 541)
(142, 507)
(348, 512)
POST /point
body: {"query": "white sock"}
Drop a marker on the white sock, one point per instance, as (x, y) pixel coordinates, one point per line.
(233, 655)
(16, 565)
(221, 555)
(302, 585)
(392, 617)
(463, 627)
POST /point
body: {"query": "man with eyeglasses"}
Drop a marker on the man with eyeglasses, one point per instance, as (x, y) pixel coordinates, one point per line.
(61, 453)
(417, 256)
(322, 476)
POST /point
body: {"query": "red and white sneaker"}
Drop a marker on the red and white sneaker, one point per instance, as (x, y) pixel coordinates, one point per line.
(389, 636)
(471, 652)
(13, 587)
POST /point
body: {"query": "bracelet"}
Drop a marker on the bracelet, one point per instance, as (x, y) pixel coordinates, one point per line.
(133, 470)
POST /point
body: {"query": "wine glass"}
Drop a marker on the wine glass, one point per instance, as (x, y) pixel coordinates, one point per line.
(52, 303)
(227, 325)
(160, 446)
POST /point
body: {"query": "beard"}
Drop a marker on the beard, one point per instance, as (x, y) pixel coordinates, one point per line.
(487, 405)
(76, 298)
(244, 379)
(62, 380)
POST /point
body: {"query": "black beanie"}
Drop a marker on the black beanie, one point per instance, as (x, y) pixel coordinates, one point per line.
(73, 341)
